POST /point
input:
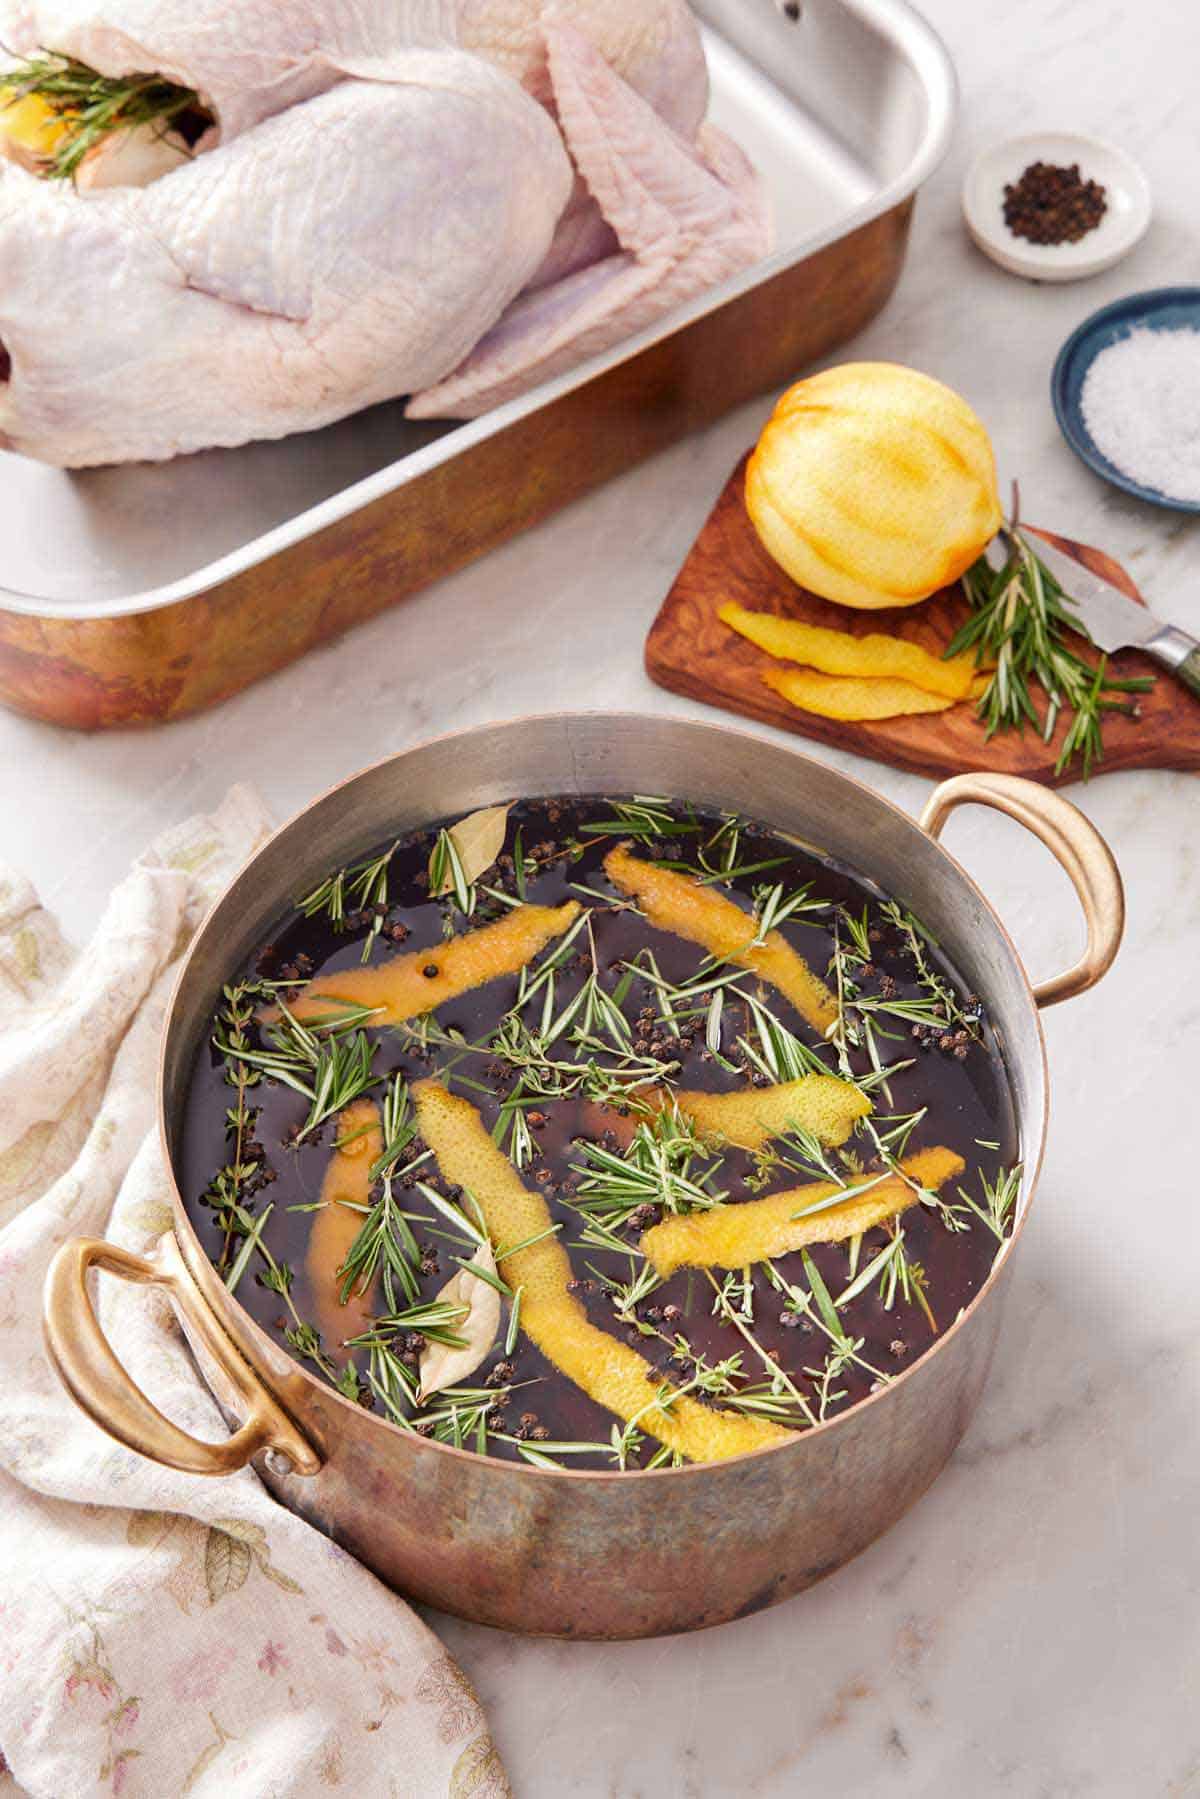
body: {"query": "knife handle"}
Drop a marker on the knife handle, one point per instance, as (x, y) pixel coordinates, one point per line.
(1179, 652)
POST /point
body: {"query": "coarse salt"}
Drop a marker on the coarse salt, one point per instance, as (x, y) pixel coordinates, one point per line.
(1141, 404)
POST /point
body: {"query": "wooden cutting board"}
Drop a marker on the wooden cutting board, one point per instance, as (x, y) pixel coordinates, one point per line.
(691, 652)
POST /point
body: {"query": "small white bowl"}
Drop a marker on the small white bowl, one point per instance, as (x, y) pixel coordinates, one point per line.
(1125, 220)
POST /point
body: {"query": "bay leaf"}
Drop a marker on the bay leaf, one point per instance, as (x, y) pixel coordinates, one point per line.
(445, 1364)
(478, 840)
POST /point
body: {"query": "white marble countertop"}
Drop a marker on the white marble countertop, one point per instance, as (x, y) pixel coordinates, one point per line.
(1033, 1627)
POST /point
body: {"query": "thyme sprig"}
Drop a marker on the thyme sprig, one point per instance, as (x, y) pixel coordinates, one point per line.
(1020, 619)
(232, 1185)
(917, 941)
(92, 107)
(817, 1305)
(780, 1381)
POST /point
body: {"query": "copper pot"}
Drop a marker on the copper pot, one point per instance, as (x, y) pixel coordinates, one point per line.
(579, 1553)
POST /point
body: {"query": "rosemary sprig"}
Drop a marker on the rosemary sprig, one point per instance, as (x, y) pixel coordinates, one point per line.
(361, 887)
(459, 1415)
(1021, 616)
(447, 874)
(433, 1318)
(397, 1127)
(391, 1381)
(918, 941)
(774, 904)
(777, 1052)
(719, 855)
(385, 1239)
(658, 1169)
(91, 106)
(250, 1243)
(643, 816)
(341, 1073)
(1000, 1198)
(329, 1061)
(895, 1272)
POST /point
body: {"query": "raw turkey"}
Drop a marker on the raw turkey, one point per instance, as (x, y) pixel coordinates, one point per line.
(654, 45)
(249, 59)
(450, 199)
(348, 250)
(252, 58)
(685, 217)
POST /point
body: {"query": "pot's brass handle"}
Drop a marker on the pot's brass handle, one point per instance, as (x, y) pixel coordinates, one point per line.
(99, 1384)
(1074, 842)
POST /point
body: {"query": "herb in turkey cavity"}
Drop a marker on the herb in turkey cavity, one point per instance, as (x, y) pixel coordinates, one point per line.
(91, 107)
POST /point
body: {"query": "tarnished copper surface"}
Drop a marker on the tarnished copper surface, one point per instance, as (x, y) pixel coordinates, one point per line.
(606, 1554)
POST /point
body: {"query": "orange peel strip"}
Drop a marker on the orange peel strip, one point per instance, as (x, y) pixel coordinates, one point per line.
(608, 1371)
(748, 1117)
(675, 902)
(346, 1186)
(400, 988)
(732, 1236)
(850, 697)
(875, 656)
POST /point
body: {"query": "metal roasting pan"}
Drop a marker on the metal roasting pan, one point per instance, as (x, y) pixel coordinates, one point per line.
(137, 593)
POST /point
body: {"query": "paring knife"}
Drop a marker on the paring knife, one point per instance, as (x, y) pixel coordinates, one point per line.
(1115, 622)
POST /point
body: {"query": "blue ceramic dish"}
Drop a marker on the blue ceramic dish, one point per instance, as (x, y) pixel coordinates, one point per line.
(1162, 309)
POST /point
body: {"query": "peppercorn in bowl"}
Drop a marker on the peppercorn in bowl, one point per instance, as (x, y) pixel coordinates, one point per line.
(1054, 205)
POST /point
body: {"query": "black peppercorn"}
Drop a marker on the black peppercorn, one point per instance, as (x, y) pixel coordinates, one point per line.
(1051, 204)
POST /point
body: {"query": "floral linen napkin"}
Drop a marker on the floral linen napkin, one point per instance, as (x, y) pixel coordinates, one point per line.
(164, 1633)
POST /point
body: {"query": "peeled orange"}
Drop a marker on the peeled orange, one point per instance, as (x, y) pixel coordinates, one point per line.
(873, 485)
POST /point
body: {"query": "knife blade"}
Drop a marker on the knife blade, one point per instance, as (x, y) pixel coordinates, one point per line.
(1115, 622)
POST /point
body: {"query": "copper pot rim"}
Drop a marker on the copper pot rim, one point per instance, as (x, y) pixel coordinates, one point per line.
(526, 1470)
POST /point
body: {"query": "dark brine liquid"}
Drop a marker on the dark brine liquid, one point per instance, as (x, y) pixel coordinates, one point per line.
(961, 1086)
